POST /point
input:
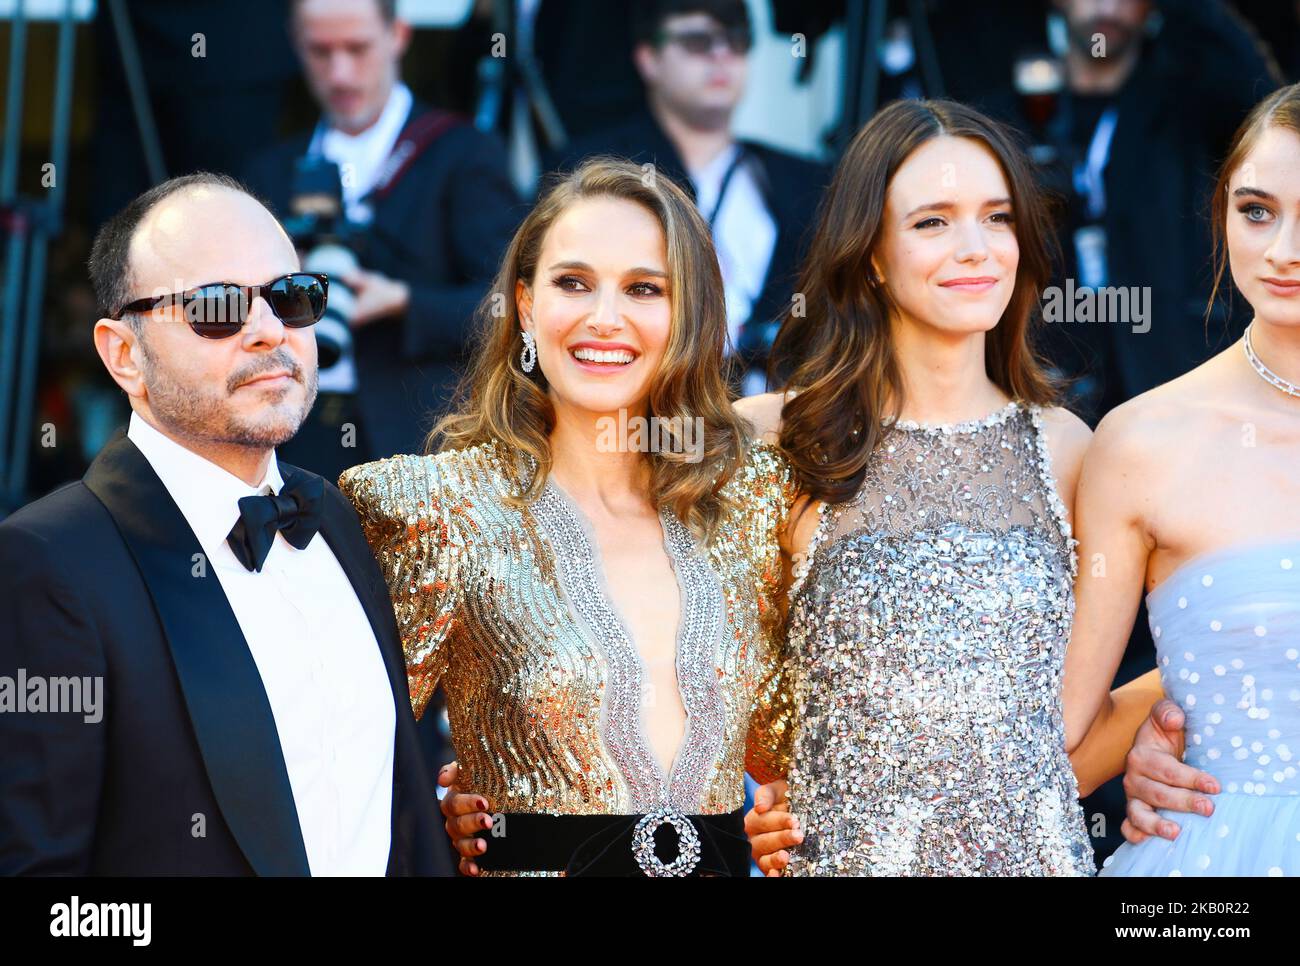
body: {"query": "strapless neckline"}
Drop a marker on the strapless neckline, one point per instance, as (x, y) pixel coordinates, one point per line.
(1287, 550)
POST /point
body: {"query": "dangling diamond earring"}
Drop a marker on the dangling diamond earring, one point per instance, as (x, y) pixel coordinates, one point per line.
(528, 355)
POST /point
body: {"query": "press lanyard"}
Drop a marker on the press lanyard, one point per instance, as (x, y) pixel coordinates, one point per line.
(722, 186)
(1088, 180)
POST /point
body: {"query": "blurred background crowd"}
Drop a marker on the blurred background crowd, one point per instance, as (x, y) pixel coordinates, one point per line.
(400, 142)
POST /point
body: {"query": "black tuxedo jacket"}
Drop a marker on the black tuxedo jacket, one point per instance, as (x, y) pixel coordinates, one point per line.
(99, 580)
(442, 228)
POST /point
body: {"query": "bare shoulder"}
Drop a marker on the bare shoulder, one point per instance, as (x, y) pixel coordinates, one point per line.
(1144, 431)
(763, 413)
(1068, 436)
(1140, 453)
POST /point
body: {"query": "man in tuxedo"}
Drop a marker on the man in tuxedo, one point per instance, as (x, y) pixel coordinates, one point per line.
(254, 715)
(428, 210)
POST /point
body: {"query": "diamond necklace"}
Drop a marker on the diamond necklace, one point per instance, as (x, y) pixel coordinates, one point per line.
(1265, 373)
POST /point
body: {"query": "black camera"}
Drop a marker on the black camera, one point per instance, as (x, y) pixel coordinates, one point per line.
(319, 228)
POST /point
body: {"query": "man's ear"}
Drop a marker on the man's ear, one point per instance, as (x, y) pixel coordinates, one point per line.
(120, 350)
(646, 60)
(402, 30)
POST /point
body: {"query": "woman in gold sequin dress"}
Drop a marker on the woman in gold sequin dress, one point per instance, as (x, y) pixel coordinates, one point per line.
(932, 598)
(599, 596)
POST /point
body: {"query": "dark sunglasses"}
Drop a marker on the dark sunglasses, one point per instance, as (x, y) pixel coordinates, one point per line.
(219, 310)
(701, 42)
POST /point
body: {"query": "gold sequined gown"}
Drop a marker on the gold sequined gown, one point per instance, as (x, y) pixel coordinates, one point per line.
(928, 627)
(506, 607)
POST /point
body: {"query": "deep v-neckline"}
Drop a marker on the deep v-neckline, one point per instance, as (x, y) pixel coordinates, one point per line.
(607, 601)
(583, 577)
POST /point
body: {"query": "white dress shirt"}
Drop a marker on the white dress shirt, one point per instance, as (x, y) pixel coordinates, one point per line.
(317, 656)
(744, 234)
(360, 156)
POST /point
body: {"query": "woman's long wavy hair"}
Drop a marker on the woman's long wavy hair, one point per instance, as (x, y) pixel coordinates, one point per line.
(1279, 109)
(498, 401)
(838, 351)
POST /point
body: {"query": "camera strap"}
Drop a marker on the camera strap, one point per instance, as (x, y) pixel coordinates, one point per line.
(419, 133)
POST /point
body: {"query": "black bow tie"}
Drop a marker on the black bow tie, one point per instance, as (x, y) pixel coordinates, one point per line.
(294, 511)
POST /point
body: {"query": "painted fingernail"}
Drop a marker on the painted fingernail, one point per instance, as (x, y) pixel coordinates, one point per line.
(798, 835)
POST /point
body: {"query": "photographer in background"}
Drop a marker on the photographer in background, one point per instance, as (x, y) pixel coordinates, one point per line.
(407, 208)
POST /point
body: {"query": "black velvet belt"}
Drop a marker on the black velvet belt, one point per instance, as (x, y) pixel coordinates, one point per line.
(662, 843)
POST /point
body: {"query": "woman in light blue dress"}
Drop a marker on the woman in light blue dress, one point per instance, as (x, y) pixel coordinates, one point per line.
(1227, 632)
(1193, 490)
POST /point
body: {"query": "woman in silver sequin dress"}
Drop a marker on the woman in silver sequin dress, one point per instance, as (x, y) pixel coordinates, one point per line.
(932, 602)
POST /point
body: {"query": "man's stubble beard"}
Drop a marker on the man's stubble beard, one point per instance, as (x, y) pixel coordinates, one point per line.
(203, 414)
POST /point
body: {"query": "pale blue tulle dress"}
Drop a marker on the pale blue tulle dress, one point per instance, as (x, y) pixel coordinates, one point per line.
(1227, 632)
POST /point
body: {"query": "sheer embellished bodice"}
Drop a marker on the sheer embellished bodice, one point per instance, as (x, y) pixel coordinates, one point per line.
(928, 627)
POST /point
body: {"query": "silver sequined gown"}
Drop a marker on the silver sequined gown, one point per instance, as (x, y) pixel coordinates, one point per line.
(928, 627)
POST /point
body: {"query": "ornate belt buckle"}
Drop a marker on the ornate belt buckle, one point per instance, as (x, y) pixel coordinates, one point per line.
(688, 843)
